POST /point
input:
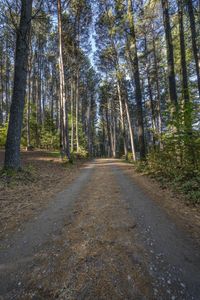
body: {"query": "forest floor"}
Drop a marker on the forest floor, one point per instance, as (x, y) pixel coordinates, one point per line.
(24, 194)
(109, 234)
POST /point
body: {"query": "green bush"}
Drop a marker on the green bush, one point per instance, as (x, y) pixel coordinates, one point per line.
(82, 153)
(166, 168)
(3, 134)
(49, 140)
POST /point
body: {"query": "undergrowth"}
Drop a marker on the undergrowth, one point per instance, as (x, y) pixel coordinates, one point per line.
(169, 172)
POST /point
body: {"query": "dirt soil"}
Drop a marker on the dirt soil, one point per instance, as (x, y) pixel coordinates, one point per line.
(43, 177)
(103, 237)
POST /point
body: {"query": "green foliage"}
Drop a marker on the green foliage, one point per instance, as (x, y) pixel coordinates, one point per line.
(49, 140)
(81, 154)
(3, 134)
(167, 169)
(55, 154)
(176, 163)
(129, 157)
(81, 134)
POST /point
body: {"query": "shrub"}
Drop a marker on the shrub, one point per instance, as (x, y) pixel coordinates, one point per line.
(3, 134)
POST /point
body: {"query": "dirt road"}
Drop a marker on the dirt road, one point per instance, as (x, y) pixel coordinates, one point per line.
(101, 238)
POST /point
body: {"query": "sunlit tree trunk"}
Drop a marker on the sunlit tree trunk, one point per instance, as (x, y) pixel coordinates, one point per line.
(29, 107)
(122, 118)
(72, 114)
(136, 74)
(131, 130)
(77, 111)
(63, 102)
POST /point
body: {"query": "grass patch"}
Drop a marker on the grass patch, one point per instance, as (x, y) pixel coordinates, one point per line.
(54, 154)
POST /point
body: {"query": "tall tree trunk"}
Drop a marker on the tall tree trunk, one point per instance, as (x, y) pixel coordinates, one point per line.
(7, 83)
(108, 128)
(29, 107)
(136, 74)
(89, 126)
(12, 152)
(194, 42)
(39, 85)
(114, 137)
(153, 115)
(157, 88)
(63, 102)
(30, 83)
(77, 110)
(122, 119)
(185, 90)
(53, 100)
(2, 91)
(72, 114)
(170, 54)
(131, 131)
(112, 128)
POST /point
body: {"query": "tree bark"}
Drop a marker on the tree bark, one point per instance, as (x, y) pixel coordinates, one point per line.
(131, 130)
(170, 54)
(184, 75)
(12, 150)
(63, 103)
(194, 42)
(157, 88)
(2, 91)
(77, 110)
(72, 114)
(122, 118)
(136, 74)
(29, 107)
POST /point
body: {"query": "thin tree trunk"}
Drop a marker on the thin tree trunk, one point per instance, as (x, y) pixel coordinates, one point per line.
(153, 115)
(89, 127)
(185, 90)
(108, 130)
(28, 108)
(52, 97)
(194, 42)
(77, 111)
(7, 81)
(12, 152)
(157, 88)
(170, 54)
(136, 74)
(114, 137)
(39, 86)
(63, 102)
(2, 91)
(122, 119)
(131, 131)
(72, 114)
(111, 127)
